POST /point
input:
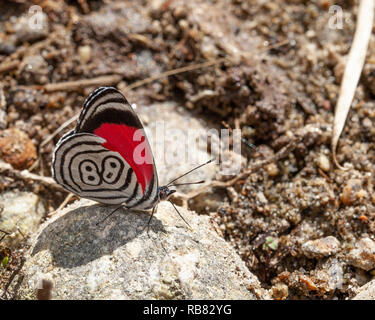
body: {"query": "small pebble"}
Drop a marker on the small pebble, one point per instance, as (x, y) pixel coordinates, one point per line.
(323, 162)
(349, 191)
(17, 148)
(39, 31)
(308, 282)
(280, 291)
(34, 69)
(272, 170)
(363, 255)
(84, 53)
(320, 248)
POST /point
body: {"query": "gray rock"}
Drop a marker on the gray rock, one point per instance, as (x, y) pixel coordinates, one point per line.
(34, 69)
(330, 274)
(20, 214)
(117, 259)
(31, 27)
(366, 292)
(320, 248)
(363, 256)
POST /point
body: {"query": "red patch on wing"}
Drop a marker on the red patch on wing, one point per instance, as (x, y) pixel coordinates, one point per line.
(120, 138)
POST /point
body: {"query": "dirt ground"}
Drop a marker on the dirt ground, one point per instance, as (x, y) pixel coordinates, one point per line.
(278, 66)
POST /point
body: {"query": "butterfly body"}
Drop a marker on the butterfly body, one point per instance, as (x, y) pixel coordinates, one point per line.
(107, 157)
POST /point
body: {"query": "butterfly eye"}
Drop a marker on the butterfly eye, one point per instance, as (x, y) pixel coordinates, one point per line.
(89, 173)
(112, 169)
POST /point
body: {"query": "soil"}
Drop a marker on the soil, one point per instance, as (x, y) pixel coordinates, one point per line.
(282, 69)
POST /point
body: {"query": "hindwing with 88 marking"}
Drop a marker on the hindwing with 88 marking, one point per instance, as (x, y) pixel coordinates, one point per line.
(107, 157)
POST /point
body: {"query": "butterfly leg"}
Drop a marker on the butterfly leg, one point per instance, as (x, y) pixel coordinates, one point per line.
(181, 215)
(109, 214)
(149, 220)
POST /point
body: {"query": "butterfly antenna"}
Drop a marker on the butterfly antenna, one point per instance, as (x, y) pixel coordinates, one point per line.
(248, 144)
(201, 165)
(181, 215)
(109, 214)
(185, 184)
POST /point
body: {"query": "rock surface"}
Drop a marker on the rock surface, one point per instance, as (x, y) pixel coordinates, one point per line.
(321, 247)
(363, 256)
(20, 214)
(366, 292)
(32, 27)
(117, 259)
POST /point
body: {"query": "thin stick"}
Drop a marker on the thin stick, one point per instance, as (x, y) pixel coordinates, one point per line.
(63, 204)
(174, 72)
(35, 164)
(9, 65)
(353, 69)
(115, 78)
(58, 130)
(278, 45)
(28, 177)
(79, 84)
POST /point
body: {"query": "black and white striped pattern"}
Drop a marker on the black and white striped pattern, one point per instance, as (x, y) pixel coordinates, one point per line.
(106, 105)
(83, 166)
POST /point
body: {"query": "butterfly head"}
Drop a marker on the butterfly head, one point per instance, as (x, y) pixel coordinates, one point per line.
(165, 192)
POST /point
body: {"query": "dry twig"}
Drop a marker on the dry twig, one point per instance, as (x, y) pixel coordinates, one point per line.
(79, 84)
(58, 130)
(8, 65)
(174, 72)
(63, 204)
(28, 177)
(353, 70)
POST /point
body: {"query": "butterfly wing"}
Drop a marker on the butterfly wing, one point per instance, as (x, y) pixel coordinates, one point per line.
(82, 166)
(110, 138)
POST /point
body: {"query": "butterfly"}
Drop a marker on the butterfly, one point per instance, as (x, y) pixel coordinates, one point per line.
(107, 157)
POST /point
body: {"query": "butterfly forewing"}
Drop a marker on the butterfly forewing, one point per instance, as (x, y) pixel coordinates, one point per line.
(97, 160)
(106, 105)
